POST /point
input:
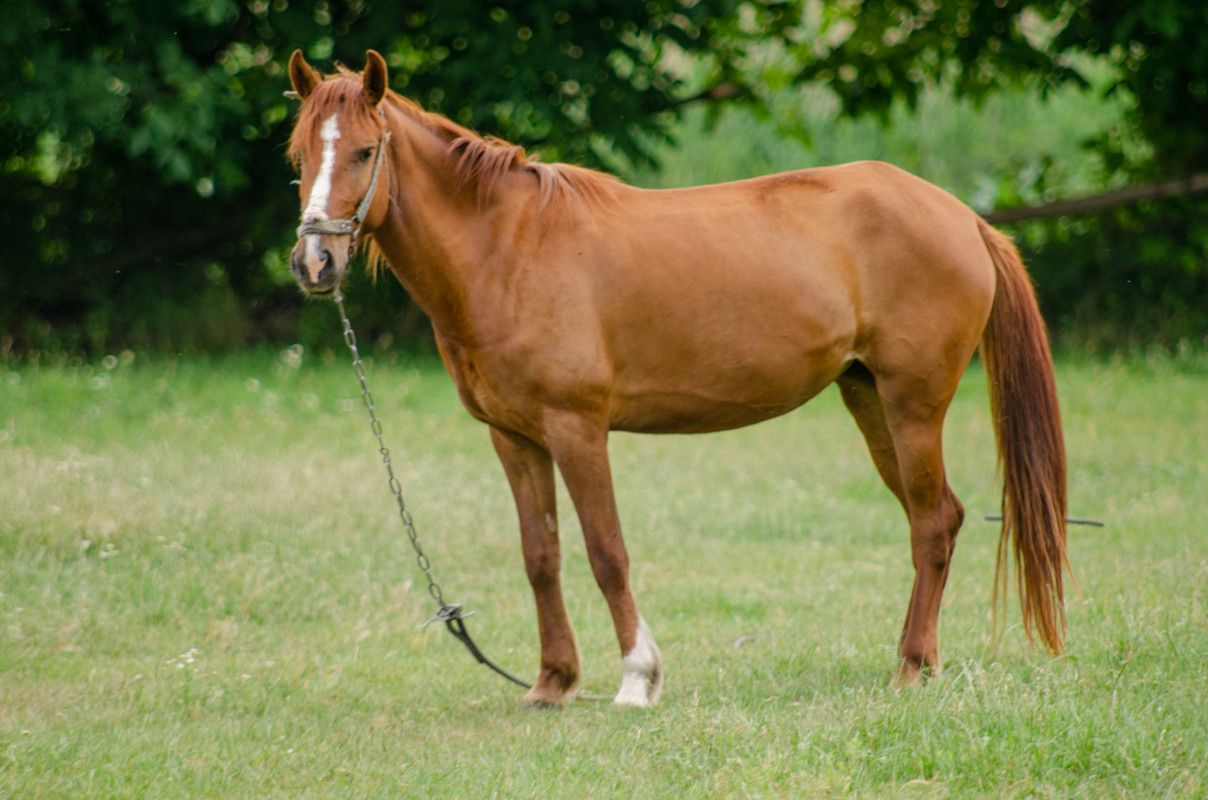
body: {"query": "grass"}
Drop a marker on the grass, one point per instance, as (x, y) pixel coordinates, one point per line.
(205, 592)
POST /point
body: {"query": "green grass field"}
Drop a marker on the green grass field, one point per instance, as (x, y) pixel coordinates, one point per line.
(205, 592)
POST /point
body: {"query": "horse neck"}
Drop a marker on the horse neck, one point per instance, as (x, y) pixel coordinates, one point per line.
(438, 238)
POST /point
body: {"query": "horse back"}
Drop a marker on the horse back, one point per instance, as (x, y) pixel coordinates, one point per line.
(748, 298)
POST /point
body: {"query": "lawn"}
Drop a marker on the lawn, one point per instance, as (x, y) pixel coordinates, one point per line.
(205, 591)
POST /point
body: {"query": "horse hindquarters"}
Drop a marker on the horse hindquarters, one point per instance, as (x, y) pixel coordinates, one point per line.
(925, 307)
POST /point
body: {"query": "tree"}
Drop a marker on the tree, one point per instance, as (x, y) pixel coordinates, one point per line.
(1131, 274)
(144, 181)
(872, 52)
(1159, 49)
(143, 168)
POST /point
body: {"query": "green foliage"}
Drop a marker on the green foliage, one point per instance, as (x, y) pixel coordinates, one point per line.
(874, 52)
(144, 177)
(1139, 274)
(1016, 147)
(561, 75)
(1128, 278)
(145, 192)
(1159, 50)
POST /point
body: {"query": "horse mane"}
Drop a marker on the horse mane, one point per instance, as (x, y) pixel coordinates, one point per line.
(481, 161)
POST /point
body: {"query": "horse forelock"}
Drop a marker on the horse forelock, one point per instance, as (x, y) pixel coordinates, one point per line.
(340, 93)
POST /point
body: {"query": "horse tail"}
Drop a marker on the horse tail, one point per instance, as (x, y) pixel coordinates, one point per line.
(1031, 449)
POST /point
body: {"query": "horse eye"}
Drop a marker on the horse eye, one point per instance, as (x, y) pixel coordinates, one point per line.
(365, 154)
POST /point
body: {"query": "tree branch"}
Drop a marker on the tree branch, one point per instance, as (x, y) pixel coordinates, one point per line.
(1174, 187)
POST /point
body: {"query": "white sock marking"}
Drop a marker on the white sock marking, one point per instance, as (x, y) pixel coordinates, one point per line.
(641, 671)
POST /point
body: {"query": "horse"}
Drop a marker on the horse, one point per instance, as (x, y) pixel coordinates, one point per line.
(566, 304)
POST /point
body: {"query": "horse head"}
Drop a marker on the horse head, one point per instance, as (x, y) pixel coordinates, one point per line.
(339, 147)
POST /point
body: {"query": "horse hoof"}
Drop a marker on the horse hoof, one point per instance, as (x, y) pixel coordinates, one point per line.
(632, 701)
(639, 691)
(909, 675)
(540, 705)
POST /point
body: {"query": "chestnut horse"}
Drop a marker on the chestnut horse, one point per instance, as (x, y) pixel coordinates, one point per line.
(567, 304)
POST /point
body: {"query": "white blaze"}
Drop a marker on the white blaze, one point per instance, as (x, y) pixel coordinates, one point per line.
(316, 206)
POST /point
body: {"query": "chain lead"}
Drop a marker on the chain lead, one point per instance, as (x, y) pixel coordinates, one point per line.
(396, 487)
(448, 613)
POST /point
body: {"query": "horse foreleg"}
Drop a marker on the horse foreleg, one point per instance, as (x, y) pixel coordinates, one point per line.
(580, 449)
(530, 473)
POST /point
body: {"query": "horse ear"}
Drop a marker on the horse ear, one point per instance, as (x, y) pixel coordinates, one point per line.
(374, 77)
(303, 76)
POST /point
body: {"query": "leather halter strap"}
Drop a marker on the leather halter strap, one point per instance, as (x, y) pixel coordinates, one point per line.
(351, 227)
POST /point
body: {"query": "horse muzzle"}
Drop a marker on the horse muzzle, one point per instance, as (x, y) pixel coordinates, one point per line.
(318, 266)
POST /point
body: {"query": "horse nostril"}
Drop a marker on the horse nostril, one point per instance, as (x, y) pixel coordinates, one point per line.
(297, 264)
(325, 271)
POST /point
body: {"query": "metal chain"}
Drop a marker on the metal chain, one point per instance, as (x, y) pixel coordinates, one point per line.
(396, 487)
(449, 613)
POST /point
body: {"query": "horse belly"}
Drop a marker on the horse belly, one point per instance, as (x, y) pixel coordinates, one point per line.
(725, 371)
(691, 410)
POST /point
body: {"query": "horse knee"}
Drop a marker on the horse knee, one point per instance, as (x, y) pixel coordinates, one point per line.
(544, 569)
(610, 568)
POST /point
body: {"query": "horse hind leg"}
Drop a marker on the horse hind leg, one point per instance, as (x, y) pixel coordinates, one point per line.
(904, 437)
(935, 516)
(859, 391)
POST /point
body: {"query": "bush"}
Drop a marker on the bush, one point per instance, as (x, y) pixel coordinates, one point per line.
(1125, 278)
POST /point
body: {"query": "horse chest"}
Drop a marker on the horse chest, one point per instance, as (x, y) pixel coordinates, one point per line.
(474, 390)
(481, 396)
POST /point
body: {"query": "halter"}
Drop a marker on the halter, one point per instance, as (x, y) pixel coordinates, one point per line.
(351, 227)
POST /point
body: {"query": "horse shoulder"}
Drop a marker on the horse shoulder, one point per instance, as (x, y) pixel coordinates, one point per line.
(510, 381)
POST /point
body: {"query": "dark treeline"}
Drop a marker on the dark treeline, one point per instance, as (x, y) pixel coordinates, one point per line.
(146, 196)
